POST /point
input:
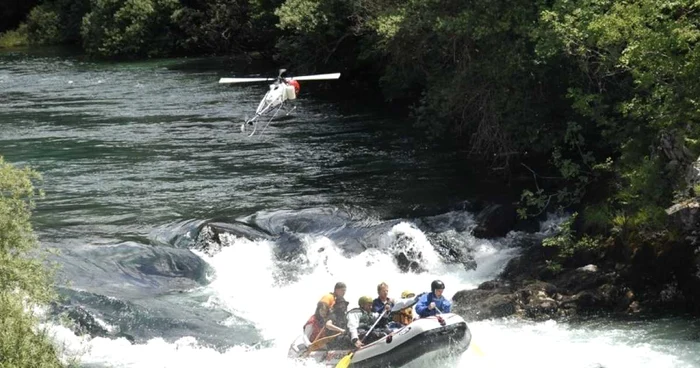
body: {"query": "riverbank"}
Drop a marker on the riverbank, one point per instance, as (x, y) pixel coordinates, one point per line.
(656, 275)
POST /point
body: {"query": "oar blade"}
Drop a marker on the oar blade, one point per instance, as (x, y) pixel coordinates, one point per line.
(345, 362)
(404, 303)
(244, 80)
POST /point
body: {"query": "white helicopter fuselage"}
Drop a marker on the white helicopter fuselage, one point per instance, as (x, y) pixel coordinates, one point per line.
(278, 93)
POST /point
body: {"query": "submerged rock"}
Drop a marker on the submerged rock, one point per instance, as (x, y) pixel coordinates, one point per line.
(209, 237)
(82, 322)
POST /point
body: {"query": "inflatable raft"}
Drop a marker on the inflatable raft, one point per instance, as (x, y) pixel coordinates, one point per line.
(446, 333)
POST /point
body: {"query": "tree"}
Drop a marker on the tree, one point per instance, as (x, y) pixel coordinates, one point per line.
(24, 280)
(129, 28)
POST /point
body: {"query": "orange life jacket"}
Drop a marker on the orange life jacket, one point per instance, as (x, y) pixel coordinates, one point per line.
(404, 316)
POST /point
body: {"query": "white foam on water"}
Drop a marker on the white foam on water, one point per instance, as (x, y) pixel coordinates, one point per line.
(244, 284)
(511, 343)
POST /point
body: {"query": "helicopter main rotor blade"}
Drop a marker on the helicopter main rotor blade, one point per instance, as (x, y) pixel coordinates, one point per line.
(245, 80)
(315, 77)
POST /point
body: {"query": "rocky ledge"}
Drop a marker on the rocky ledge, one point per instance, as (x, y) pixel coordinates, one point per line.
(654, 275)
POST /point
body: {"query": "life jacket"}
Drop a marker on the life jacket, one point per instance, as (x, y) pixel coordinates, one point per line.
(318, 331)
(404, 316)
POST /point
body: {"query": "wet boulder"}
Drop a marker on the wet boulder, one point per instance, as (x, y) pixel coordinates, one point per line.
(485, 302)
(171, 265)
(407, 255)
(209, 239)
(82, 322)
(685, 217)
(453, 249)
(495, 221)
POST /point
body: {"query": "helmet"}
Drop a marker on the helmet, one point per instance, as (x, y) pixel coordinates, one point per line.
(437, 284)
(364, 299)
(407, 294)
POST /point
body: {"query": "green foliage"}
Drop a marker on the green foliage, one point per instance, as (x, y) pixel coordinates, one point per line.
(319, 33)
(56, 22)
(129, 28)
(263, 24)
(214, 26)
(24, 280)
(20, 345)
(14, 38)
(43, 26)
(302, 15)
(568, 244)
(597, 218)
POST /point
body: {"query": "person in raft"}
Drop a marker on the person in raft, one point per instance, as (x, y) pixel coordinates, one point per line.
(433, 303)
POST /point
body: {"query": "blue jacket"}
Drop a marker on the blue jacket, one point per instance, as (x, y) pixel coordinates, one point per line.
(441, 303)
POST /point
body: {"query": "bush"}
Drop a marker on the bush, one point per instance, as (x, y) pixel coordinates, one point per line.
(56, 22)
(129, 28)
(214, 26)
(24, 280)
(568, 245)
(44, 26)
(14, 38)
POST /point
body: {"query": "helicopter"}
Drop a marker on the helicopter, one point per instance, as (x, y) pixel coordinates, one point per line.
(281, 90)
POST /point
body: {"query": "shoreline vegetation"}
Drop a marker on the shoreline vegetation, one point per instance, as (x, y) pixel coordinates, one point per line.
(25, 281)
(589, 108)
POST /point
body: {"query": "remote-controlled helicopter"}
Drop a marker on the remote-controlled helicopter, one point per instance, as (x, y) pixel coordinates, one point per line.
(281, 90)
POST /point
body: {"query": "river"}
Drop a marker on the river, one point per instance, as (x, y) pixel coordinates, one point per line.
(136, 156)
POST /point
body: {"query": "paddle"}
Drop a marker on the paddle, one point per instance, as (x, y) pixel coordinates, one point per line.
(345, 362)
(320, 343)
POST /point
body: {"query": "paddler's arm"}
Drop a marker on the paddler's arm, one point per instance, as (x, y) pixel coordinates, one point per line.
(332, 327)
(422, 306)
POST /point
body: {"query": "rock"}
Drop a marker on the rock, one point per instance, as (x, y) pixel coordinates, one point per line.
(407, 265)
(685, 216)
(490, 285)
(588, 268)
(495, 221)
(674, 149)
(634, 308)
(82, 322)
(453, 249)
(692, 177)
(406, 254)
(484, 304)
(580, 279)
